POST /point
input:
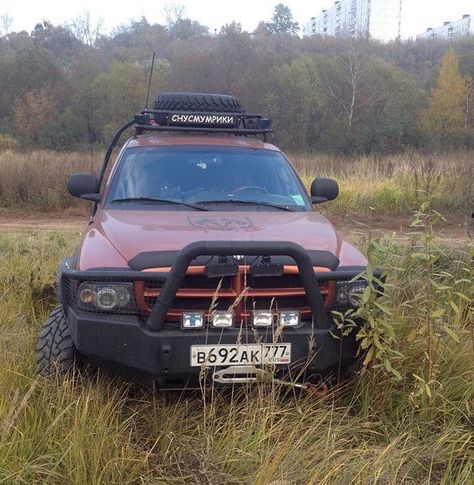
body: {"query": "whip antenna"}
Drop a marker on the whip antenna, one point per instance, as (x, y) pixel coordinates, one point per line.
(149, 80)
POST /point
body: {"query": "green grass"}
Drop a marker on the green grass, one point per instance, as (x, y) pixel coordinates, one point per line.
(375, 429)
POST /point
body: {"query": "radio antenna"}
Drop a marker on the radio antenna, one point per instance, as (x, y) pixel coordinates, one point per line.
(149, 80)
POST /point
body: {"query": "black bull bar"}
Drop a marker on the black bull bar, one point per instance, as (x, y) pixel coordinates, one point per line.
(174, 278)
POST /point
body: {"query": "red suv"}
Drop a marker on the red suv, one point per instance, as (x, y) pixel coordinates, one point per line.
(203, 257)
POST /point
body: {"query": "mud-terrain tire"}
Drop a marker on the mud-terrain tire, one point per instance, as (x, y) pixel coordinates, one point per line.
(55, 350)
(198, 102)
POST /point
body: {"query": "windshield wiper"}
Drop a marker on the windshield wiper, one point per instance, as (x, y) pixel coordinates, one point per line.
(161, 201)
(253, 202)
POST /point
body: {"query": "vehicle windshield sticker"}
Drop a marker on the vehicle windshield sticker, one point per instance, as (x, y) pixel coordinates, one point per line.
(298, 199)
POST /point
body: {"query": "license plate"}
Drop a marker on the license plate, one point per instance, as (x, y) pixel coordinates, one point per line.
(216, 355)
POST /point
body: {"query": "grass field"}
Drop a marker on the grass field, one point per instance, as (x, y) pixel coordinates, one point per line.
(392, 185)
(407, 419)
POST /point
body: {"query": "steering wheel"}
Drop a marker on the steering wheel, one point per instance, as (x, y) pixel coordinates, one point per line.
(250, 188)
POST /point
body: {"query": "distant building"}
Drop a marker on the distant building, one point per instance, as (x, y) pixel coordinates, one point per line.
(451, 30)
(378, 19)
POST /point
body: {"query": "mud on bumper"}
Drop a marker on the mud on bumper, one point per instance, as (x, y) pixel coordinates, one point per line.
(147, 347)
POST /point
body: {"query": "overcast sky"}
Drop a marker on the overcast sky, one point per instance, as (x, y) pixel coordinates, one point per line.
(417, 14)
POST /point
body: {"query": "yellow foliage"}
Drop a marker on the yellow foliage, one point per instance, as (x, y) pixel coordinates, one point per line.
(446, 114)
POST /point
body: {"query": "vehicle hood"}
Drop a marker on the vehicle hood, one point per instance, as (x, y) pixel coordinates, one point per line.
(131, 232)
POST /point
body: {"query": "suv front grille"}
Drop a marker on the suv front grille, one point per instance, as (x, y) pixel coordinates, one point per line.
(242, 293)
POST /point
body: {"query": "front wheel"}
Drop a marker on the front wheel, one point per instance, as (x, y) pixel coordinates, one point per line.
(55, 350)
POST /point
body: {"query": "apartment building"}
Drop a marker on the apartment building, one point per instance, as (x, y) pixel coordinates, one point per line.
(377, 19)
(450, 30)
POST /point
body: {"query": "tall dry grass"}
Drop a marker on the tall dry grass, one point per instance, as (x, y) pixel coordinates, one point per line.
(392, 185)
(375, 429)
(395, 184)
(37, 179)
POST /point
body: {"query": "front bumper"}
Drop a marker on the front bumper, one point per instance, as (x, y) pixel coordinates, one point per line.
(126, 347)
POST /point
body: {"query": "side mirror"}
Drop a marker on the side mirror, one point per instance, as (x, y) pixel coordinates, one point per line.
(323, 190)
(85, 186)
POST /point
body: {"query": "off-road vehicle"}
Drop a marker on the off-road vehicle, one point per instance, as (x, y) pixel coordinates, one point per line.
(203, 256)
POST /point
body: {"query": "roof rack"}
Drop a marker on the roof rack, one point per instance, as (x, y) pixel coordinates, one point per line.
(202, 122)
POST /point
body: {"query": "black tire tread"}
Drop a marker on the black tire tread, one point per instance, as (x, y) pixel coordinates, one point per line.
(221, 103)
(55, 350)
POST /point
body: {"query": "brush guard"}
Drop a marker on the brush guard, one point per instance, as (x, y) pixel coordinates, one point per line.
(171, 281)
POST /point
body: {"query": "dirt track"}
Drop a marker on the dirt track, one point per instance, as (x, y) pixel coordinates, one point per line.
(42, 224)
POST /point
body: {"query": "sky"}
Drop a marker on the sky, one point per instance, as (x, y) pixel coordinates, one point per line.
(416, 17)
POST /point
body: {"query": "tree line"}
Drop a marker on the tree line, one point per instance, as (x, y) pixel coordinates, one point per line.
(66, 86)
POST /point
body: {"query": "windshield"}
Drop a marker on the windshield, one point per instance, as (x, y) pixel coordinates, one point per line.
(211, 178)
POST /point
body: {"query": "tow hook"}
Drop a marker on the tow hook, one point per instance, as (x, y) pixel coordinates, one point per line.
(313, 390)
(316, 391)
(248, 374)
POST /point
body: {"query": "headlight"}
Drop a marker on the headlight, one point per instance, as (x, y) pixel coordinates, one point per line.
(348, 294)
(105, 296)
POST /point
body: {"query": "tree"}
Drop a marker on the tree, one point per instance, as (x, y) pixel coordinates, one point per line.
(179, 26)
(135, 41)
(282, 21)
(174, 13)
(58, 40)
(261, 30)
(119, 93)
(5, 23)
(26, 67)
(392, 123)
(232, 29)
(86, 29)
(83, 99)
(33, 114)
(186, 29)
(445, 119)
(346, 79)
(469, 124)
(295, 102)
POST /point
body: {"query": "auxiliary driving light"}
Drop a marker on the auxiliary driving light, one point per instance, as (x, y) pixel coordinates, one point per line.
(222, 319)
(262, 319)
(290, 319)
(193, 320)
